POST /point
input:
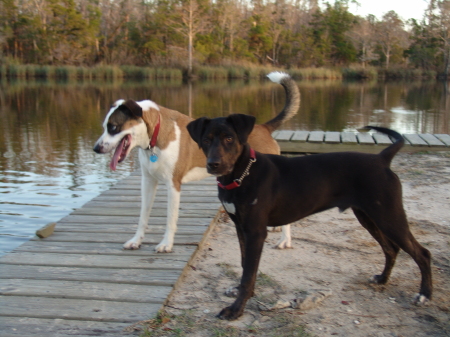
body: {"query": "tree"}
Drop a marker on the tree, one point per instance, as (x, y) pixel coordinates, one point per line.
(189, 18)
(389, 34)
(330, 30)
(363, 37)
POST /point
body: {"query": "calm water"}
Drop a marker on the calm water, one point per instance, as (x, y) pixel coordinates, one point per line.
(48, 168)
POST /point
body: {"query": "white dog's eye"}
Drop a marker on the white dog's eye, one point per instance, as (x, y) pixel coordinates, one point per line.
(113, 129)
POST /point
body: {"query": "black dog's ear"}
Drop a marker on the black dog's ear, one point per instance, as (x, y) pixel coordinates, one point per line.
(243, 125)
(131, 108)
(196, 129)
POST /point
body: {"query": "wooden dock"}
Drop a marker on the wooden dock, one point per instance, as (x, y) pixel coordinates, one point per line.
(330, 141)
(80, 282)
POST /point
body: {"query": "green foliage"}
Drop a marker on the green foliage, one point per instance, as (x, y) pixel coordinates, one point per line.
(155, 35)
(329, 29)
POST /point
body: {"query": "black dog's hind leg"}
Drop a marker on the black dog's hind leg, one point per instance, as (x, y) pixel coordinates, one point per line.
(390, 249)
(401, 236)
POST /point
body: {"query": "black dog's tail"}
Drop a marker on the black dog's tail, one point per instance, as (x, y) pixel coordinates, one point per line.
(292, 99)
(389, 152)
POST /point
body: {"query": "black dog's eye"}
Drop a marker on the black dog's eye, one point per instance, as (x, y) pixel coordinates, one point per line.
(206, 141)
(229, 139)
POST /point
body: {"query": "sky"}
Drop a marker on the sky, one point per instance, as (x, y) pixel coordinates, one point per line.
(406, 9)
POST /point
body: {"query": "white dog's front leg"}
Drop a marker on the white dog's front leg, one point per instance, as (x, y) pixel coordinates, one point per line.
(173, 205)
(285, 240)
(148, 192)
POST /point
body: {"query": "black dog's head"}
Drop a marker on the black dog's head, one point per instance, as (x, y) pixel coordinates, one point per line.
(222, 140)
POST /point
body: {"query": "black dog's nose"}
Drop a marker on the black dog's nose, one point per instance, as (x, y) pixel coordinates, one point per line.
(213, 165)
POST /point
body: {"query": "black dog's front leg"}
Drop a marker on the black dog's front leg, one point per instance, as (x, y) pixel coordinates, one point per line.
(253, 249)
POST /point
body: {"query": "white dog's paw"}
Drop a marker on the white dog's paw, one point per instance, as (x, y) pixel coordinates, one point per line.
(421, 300)
(232, 292)
(164, 247)
(134, 243)
(283, 244)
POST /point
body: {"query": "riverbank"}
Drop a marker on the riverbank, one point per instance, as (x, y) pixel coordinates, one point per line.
(114, 72)
(330, 251)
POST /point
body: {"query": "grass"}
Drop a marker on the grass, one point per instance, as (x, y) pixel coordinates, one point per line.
(232, 71)
(228, 270)
(187, 323)
(197, 322)
(360, 72)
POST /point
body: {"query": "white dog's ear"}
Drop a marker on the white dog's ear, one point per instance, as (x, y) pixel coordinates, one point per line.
(196, 129)
(131, 108)
(243, 125)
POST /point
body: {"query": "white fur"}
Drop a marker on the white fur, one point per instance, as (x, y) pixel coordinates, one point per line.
(152, 174)
(285, 240)
(277, 76)
(420, 300)
(197, 173)
(229, 207)
(147, 105)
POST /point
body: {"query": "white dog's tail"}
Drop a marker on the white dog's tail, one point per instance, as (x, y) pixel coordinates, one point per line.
(292, 99)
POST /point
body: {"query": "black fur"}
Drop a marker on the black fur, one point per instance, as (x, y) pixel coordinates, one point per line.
(280, 190)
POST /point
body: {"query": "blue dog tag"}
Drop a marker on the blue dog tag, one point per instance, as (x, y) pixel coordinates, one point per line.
(153, 158)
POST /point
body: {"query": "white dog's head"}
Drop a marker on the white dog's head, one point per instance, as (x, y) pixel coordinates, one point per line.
(124, 129)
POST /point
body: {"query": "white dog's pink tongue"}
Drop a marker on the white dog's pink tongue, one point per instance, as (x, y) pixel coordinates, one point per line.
(116, 157)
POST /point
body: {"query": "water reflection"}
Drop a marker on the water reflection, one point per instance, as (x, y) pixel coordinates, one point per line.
(48, 168)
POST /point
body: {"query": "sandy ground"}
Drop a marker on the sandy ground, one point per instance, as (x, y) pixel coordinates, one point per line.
(330, 251)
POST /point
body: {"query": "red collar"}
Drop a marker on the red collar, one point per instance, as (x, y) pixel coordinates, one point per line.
(155, 133)
(237, 182)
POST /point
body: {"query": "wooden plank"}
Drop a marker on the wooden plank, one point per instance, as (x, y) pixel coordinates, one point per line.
(89, 310)
(147, 277)
(118, 204)
(332, 137)
(137, 192)
(137, 186)
(84, 290)
(431, 140)
(162, 261)
(160, 198)
(152, 239)
(381, 139)
(136, 180)
(89, 248)
(415, 140)
(365, 138)
(348, 138)
(291, 147)
(284, 135)
(300, 136)
(443, 138)
(130, 212)
(40, 327)
(124, 228)
(107, 219)
(316, 136)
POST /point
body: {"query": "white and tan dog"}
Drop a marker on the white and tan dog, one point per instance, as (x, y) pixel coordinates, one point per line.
(168, 155)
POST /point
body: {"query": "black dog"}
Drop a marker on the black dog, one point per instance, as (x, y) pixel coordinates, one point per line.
(268, 190)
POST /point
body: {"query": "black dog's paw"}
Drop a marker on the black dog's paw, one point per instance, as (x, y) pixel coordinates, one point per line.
(421, 300)
(229, 314)
(378, 279)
